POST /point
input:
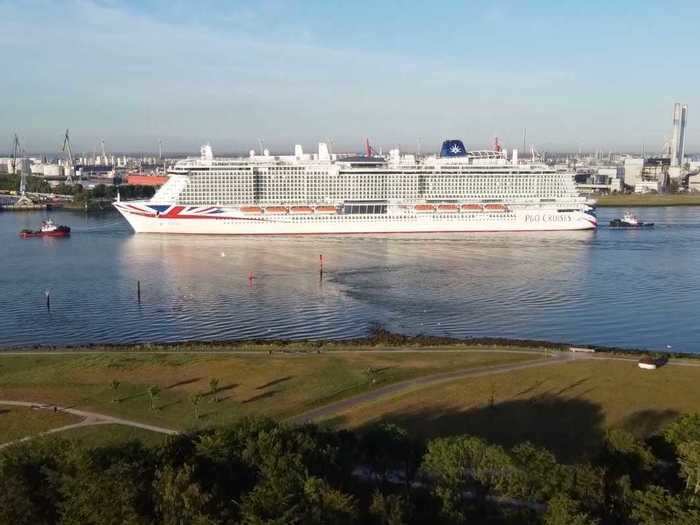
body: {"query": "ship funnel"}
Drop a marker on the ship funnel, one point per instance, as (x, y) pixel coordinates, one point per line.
(514, 158)
(323, 151)
(206, 152)
(298, 152)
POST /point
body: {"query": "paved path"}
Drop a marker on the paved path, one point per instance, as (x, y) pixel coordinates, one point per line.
(558, 357)
(88, 419)
(434, 379)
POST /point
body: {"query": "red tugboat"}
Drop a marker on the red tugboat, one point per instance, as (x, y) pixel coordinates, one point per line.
(48, 229)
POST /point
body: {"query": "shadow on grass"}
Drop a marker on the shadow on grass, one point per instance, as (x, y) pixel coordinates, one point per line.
(644, 423)
(133, 396)
(571, 428)
(264, 395)
(183, 383)
(168, 405)
(274, 382)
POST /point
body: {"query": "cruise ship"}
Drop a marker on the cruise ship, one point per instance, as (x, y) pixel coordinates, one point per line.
(324, 193)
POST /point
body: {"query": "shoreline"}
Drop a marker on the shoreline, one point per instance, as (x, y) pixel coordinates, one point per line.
(647, 200)
(379, 341)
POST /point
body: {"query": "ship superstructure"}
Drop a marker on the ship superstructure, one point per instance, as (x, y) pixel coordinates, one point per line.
(322, 193)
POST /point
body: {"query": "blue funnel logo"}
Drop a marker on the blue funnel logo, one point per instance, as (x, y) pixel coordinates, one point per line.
(453, 148)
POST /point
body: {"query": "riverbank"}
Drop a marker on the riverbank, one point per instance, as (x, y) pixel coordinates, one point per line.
(378, 340)
(642, 200)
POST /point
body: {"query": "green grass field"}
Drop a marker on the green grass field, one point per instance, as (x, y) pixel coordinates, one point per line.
(565, 407)
(633, 200)
(110, 435)
(19, 422)
(280, 385)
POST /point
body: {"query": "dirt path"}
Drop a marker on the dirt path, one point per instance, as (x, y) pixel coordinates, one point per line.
(88, 419)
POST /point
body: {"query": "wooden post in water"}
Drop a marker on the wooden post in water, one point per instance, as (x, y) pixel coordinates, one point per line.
(320, 264)
(138, 291)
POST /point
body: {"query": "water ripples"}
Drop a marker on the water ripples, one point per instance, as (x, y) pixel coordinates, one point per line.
(611, 287)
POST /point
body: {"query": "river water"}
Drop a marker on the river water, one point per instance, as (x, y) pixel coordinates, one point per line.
(637, 289)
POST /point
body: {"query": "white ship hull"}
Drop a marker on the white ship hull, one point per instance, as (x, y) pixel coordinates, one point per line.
(145, 217)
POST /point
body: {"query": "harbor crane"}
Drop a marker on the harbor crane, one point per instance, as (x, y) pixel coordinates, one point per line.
(104, 154)
(17, 153)
(69, 158)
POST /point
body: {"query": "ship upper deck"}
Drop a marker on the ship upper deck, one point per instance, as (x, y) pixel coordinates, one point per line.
(476, 160)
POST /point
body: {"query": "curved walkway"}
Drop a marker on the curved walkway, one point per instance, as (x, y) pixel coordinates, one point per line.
(89, 419)
(434, 379)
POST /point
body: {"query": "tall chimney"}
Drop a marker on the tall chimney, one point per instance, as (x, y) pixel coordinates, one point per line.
(675, 140)
(681, 134)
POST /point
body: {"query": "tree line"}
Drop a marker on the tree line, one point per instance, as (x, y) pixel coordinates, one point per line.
(259, 471)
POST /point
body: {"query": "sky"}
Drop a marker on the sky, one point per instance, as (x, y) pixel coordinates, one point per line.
(586, 74)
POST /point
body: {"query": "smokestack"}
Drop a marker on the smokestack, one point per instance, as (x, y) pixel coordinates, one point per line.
(681, 135)
(675, 139)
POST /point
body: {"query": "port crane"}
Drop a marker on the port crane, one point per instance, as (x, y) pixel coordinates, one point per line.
(69, 159)
(17, 153)
(104, 154)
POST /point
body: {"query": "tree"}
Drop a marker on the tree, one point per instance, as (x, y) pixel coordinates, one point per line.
(623, 454)
(153, 395)
(392, 509)
(657, 506)
(326, 505)
(538, 476)
(388, 448)
(214, 389)
(29, 493)
(109, 485)
(465, 468)
(195, 399)
(371, 375)
(562, 510)
(689, 460)
(685, 428)
(114, 385)
(179, 499)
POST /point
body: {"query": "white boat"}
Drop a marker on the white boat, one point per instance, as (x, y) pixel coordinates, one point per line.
(323, 193)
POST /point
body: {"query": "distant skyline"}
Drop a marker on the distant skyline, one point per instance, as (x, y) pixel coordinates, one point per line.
(590, 75)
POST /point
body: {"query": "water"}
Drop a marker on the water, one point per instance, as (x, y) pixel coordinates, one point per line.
(635, 289)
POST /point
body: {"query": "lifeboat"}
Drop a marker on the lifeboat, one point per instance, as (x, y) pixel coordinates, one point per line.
(251, 210)
(495, 207)
(278, 210)
(302, 210)
(448, 208)
(472, 207)
(326, 209)
(424, 208)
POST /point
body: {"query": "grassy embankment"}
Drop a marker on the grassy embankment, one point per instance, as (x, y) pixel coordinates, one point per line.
(566, 407)
(637, 200)
(277, 385)
(18, 422)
